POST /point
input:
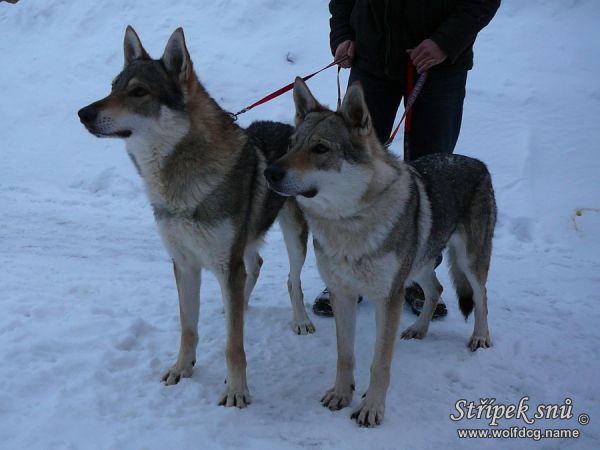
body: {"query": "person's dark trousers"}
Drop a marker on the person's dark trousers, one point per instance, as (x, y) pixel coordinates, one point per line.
(436, 114)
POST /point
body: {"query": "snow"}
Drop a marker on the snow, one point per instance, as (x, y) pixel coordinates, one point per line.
(89, 317)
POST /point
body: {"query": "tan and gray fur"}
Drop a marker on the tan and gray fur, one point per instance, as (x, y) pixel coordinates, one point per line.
(378, 225)
(203, 175)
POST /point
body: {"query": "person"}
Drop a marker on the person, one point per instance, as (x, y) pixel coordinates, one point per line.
(382, 39)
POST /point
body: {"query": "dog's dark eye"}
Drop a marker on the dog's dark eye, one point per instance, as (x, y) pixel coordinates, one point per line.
(319, 149)
(138, 92)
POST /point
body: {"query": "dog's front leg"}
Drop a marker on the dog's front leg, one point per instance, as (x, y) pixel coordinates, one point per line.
(371, 410)
(344, 311)
(188, 289)
(232, 281)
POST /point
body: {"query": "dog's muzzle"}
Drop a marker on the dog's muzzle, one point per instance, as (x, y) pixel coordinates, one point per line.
(276, 176)
(89, 116)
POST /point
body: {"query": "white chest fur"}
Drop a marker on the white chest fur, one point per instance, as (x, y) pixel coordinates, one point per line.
(372, 277)
(151, 144)
(196, 244)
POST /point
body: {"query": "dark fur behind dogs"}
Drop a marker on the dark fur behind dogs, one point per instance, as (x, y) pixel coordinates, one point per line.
(272, 140)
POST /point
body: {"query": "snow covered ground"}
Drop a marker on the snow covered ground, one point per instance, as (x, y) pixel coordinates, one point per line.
(88, 308)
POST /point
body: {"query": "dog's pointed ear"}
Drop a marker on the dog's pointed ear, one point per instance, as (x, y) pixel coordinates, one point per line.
(132, 46)
(176, 57)
(354, 109)
(304, 100)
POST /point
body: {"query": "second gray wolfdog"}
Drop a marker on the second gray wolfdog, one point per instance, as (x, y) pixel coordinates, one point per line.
(379, 225)
(204, 178)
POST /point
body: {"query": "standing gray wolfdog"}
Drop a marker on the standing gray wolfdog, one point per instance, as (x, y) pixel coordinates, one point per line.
(204, 178)
(379, 225)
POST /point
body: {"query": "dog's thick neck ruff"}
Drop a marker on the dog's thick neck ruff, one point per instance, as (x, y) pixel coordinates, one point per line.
(357, 226)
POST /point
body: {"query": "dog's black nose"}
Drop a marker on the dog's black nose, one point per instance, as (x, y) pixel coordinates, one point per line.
(87, 114)
(274, 173)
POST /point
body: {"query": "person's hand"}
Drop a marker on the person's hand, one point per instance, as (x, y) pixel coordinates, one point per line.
(346, 48)
(426, 55)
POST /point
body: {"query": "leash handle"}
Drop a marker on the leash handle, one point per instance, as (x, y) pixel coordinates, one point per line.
(409, 104)
(288, 87)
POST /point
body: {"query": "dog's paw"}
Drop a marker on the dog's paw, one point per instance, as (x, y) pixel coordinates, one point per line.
(479, 342)
(303, 327)
(177, 372)
(414, 333)
(240, 398)
(369, 413)
(336, 399)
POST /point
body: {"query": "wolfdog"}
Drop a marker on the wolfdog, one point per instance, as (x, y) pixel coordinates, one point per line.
(378, 225)
(203, 175)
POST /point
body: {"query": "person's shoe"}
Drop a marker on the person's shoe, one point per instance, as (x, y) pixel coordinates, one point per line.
(322, 305)
(416, 300)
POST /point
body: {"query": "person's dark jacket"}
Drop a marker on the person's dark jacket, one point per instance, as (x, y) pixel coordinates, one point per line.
(384, 29)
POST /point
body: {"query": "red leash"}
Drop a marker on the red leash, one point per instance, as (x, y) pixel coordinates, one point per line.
(288, 87)
(412, 92)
